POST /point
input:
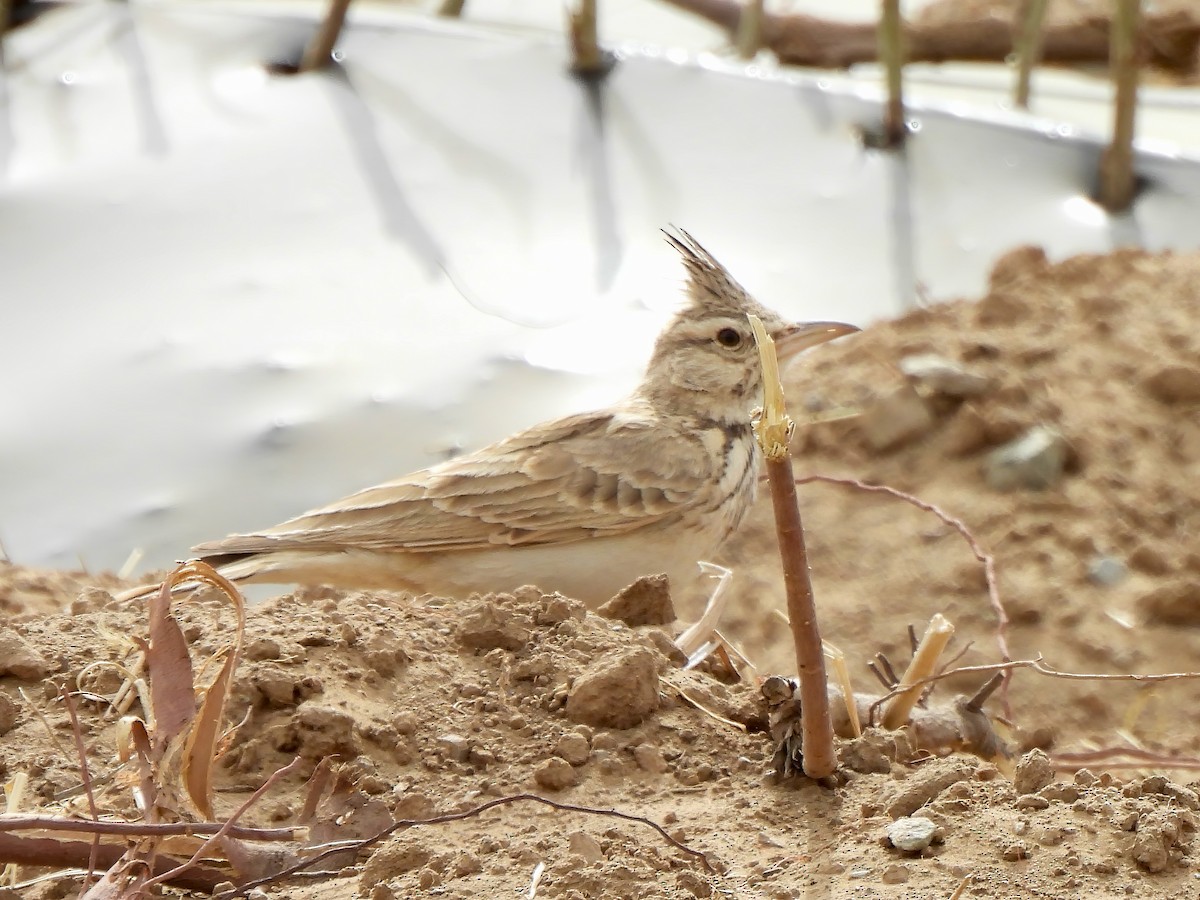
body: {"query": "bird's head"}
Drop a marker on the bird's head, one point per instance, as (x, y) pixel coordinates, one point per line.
(705, 361)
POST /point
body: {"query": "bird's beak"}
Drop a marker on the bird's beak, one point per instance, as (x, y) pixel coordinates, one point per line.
(794, 339)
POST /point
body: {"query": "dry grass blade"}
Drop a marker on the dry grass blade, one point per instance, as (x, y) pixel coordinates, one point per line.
(201, 748)
(320, 779)
(837, 661)
(133, 742)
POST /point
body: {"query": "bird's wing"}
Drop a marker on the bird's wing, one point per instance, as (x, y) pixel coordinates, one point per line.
(580, 477)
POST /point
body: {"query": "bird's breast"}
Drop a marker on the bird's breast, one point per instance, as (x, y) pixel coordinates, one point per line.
(736, 462)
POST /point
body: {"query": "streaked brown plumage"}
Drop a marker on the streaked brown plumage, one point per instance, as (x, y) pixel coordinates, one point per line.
(582, 505)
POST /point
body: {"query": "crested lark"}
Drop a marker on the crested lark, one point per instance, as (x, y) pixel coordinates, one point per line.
(583, 505)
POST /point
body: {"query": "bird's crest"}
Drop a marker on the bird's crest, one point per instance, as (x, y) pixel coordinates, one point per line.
(709, 284)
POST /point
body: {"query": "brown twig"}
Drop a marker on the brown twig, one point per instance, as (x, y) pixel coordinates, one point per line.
(359, 845)
(891, 54)
(989, 562)
(890, 678)
(586, 56)
(1168, 40)
(980, 697)
(274, 778)
(1028, 47)
(85, 776)
(773, 431)
(320, 49)
(23, 822)
(1038, 664)
(1140, 759)
(34, 851)
(1116, 167)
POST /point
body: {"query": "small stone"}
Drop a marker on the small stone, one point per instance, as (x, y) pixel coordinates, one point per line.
(1035, 460)
(1015, 851)
(1062, 793)
(1158, 784)
(894, 874)
(263, 649)
(1032, 801)
(20, 660)
(480, 757)
(1150, 559)
(926, 784)
(1020, 264)
(554, 609)
(1107, 571)
(966, 431)
(8, 713)
(583, 844)
(649, 759)
(1173, 603)
(489, 626)
(645, 602)
(1152, 846)
(619, 690)
(405, 722)
(380, 892)
(454, 747)
(895, 419)
(912, 834)
(944, 376)
(555, 774)
(398, 855)
(467, 864)
(574, 748)
(1174, 384)
(1033, 772)
(427, 878)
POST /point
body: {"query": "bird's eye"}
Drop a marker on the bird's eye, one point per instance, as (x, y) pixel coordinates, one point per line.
(729, 337)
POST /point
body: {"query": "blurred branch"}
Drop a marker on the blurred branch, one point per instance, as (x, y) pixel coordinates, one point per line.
(1168, 40)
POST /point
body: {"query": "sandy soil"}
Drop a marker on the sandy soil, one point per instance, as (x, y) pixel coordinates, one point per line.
(433, 706)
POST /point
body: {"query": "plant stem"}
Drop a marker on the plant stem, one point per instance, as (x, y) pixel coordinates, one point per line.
(1028, 48)
(586, 58)
(772, 432)
(749, 29)
(817, 735)
(1116, 167)
(320, 48)
(891, 54)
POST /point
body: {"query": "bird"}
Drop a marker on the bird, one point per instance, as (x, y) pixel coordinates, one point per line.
(582, 505)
